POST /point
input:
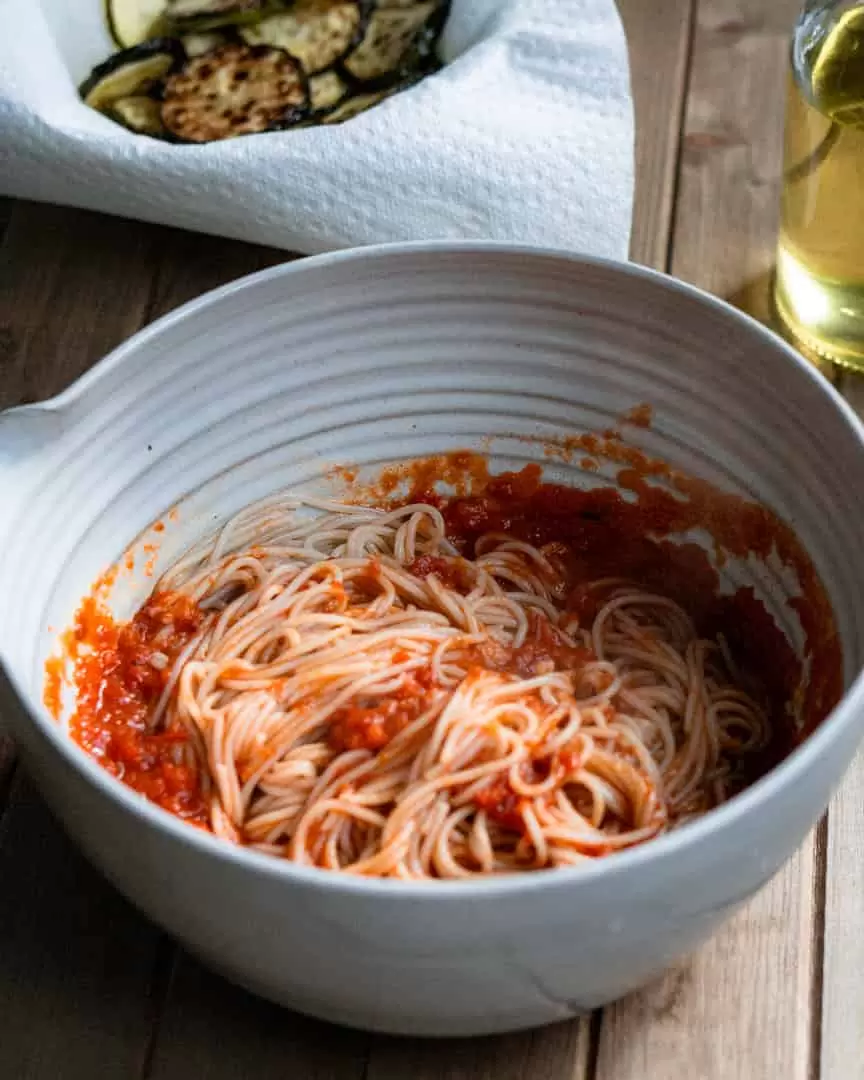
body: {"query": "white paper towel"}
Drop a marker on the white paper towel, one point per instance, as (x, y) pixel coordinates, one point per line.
(526, 135)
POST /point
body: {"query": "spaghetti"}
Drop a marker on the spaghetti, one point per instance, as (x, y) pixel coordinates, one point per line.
(340, 686)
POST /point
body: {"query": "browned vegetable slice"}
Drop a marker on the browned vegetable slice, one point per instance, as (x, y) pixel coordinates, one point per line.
(130, 72)
(362, 101)
(132, 22)
(317, 32)
(397, 40)
(327, 90)
(236, 90)
(354, 105)
(140, 114)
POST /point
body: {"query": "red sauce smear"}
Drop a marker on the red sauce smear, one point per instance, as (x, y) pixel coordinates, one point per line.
(501, 804)
(449, 572)
(373, 724)
(543, 651)
(588, 535)
(118, 686)
(601, 533)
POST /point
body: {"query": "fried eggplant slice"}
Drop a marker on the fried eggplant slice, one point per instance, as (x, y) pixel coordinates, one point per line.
(397, 41)
(236, 90)
(317, 32)
(131, 22)
(140, 114)
(206, 41)
(326, 91)
(131, 72)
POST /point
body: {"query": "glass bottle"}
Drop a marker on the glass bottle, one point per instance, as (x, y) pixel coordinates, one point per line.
(819, 285)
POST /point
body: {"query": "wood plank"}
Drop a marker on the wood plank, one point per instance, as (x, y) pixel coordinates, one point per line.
(739, 1008)
(728, 188)
(557, 1053)
(743, 1005)
(72, 286)
(76, 961)
(5, 213)
(842, 1020)
(659, 37)
(189, 264)
(210, 1030)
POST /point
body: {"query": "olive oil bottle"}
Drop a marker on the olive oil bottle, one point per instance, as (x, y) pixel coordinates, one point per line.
(819, 289)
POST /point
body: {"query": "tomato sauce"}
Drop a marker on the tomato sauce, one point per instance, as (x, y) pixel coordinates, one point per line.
(372, 725)
(598, 533)
(501, 804)
(120, 671)
(543, 651)
(448, 571)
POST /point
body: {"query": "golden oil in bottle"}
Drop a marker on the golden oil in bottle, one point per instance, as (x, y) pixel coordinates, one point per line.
(819, 290)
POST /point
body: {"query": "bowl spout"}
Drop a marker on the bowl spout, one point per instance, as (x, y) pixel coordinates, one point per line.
(25, 434)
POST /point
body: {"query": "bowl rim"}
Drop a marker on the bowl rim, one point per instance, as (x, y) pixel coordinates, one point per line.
(669, 845)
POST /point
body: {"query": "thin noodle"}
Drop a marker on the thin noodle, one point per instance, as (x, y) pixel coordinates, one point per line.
(349, 712)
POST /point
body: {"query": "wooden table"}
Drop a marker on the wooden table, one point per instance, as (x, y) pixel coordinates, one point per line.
(89, 989)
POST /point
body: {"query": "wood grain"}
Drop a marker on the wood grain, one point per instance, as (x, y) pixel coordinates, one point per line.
(742, 1006)
(558, 1053)
(738, 1009)
(727, 202)
(190, 264)
(659, 38)
(842, 1020)
(213, 1031)
(76, 961)
(72, 286)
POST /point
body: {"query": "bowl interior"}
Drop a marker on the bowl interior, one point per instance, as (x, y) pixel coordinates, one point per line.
(376, 357)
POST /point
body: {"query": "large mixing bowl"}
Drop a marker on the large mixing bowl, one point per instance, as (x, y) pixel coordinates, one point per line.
(384, 355)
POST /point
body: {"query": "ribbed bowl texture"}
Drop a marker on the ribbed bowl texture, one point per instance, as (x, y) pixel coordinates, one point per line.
(381, 356)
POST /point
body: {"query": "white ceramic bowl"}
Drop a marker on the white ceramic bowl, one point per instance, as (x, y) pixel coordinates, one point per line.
(382, 355)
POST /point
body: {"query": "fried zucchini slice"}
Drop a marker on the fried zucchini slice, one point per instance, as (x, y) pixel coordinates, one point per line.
(236, 90)
(397, 40)
(140, 114)
(131, 72)
(206, 41)
(130, 22)
(327, 90)
(317, 32)
(365, 100)
(354, 105)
